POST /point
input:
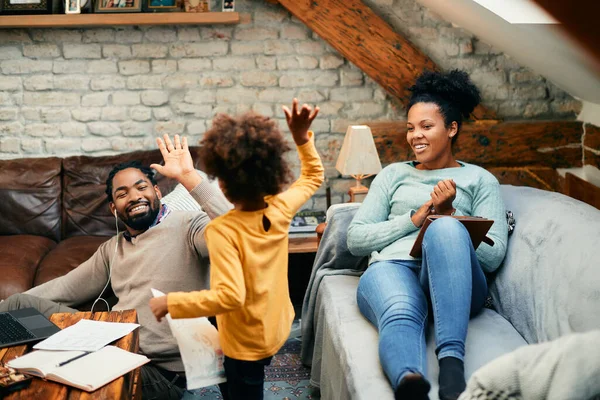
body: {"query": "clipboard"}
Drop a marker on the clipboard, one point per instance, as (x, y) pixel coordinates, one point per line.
(478, 227)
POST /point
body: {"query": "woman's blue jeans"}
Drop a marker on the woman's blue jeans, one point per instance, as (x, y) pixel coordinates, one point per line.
(394, 296)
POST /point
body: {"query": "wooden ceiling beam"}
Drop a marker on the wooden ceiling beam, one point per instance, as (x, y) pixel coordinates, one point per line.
(362, 37)
(492, 143)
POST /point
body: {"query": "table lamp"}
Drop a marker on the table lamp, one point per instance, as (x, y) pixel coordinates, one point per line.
(358, 158)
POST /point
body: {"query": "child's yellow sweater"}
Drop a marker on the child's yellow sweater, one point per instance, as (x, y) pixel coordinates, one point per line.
(249, 266)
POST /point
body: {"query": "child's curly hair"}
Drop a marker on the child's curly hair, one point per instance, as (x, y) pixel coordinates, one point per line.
(246, 154)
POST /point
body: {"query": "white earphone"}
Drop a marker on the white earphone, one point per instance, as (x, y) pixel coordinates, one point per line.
(109, 266)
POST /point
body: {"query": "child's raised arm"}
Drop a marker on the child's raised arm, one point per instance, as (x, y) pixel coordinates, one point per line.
(311, 174)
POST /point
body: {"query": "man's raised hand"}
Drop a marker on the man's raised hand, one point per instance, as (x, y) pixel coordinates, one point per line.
(299, 121)
(178, 161)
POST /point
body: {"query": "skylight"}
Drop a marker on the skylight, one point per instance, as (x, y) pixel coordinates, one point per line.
(518, 11)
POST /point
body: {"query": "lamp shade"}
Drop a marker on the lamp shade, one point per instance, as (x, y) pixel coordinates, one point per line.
(359, 154)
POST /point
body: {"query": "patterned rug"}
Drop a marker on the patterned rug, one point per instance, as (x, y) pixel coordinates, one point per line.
(285, 379)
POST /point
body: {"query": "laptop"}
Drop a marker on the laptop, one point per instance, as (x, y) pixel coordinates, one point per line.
(22, 326)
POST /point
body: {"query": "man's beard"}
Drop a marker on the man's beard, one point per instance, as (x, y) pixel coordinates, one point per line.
(142, 222)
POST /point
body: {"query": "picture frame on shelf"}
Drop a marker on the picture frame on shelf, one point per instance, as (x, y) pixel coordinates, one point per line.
(72, 6)
(21, 7)
(196, 6)
(117, 6)
(228, 5)
(161, 6)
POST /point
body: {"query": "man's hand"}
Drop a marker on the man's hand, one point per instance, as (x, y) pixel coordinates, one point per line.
(442, 196)
(159, 307)
(423, 212)
(178, 161)
(299, 121)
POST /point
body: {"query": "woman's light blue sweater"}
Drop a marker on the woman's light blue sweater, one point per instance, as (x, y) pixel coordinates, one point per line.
(383, 229)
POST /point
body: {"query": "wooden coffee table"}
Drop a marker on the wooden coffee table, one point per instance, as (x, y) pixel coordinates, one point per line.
(126, 387)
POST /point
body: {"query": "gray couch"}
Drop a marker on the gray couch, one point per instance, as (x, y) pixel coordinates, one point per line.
(547, 287)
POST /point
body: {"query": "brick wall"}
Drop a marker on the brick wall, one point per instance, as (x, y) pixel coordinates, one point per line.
(112, 90)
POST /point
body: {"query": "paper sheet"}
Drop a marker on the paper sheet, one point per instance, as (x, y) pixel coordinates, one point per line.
(200, 349)
(86, 335)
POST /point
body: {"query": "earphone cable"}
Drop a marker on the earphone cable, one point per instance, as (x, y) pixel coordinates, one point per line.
(109, 268)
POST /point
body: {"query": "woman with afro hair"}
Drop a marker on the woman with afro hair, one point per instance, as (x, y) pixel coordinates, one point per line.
(248, 245)
(396, 290)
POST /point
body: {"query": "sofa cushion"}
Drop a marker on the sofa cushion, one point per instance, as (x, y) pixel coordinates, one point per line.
(67, 255)
(489, 337)
(30, 191)
(85, 204)
(549, 284)
(20, 256)
(349, 366)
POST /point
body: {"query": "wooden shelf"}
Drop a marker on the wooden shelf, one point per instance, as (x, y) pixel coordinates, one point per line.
(117, 19)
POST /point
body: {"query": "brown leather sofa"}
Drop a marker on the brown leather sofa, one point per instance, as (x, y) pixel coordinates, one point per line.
(54, 214)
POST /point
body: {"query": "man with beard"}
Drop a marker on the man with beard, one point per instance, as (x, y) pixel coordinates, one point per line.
(161, 248)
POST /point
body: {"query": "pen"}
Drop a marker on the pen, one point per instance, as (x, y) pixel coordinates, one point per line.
(60, 364)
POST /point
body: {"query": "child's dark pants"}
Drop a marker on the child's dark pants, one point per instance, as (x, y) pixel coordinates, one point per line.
(245, 379)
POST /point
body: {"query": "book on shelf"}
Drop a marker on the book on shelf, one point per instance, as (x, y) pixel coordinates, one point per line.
(306, 222)
(84, 370)
(477, 227)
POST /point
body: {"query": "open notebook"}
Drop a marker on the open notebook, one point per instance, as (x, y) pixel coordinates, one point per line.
(88, 372)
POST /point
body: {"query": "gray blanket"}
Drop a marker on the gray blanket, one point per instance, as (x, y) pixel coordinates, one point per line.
(333, 258)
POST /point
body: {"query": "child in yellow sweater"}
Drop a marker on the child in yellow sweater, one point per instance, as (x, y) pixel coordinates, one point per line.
(248, 246)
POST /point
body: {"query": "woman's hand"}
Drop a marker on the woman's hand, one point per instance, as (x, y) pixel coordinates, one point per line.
(159, 307)
(178, 161)
(442, 196)
(299, 121)
(423, 212)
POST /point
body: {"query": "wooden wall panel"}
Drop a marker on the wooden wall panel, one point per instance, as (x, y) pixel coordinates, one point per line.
(539, 178)
(592, 137)
(582, 190)
(592, 145)
(592, 159)
(365, 39)
(551, 177)
(555, 144)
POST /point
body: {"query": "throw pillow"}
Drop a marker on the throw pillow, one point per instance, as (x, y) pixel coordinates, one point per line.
(180, 199)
